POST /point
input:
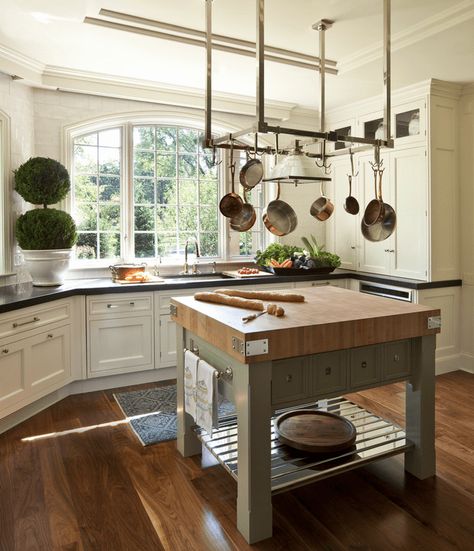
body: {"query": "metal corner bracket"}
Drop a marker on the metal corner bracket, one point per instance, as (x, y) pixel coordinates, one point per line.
(434, 322)
(173, 310)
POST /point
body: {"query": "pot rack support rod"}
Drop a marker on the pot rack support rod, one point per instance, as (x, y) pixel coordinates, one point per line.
(208, 122)
(260, 64)
(387, 69)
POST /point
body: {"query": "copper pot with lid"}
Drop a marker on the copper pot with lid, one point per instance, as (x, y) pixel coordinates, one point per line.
(122, 271)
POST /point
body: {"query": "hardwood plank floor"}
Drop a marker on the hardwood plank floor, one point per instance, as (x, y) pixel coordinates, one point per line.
(91, 486)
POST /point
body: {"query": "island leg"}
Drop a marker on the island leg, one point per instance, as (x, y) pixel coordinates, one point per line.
(252, 391)
(188, 443)
(420, 409)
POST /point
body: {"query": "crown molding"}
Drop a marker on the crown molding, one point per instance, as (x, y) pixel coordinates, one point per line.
(16, 64)
(450, 17)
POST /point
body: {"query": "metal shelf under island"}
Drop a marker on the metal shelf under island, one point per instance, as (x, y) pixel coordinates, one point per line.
(336, 342)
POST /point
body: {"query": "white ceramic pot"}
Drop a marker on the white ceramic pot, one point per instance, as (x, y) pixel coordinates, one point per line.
(47, 267)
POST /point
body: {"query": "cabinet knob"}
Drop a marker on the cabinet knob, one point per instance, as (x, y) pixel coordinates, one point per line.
(396, 358)
(391, 251)
(289, 378)
(387, 250)
(5, 351)
(352, 247)
(327, 371)
(49, 336)
(363, 365)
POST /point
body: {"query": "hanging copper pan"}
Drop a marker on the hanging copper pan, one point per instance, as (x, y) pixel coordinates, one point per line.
(231, 204)
(279, 218)
(245, 219)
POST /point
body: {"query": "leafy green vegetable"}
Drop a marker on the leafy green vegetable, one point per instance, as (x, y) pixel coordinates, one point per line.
(275, 251)
(321, 258)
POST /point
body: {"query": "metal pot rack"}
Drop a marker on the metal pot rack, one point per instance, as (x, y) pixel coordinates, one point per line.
(260, 125)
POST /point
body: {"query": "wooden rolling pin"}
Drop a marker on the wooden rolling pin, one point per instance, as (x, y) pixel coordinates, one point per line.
(262, 295)
(230, 301)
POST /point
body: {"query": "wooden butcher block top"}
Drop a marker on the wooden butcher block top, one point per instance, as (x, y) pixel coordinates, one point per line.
(331, 318)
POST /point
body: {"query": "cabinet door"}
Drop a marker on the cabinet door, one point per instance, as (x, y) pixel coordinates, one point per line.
(49, 359)
(13, 386)
(365, 366)
(342, 227)
(167, 339)
(120, 345)
(409, 195)
(374, 256)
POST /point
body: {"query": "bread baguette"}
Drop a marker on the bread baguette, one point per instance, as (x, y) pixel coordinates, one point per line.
(229, 301)
(262, 295)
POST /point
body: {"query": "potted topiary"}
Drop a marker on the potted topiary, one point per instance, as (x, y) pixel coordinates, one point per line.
(45, 236)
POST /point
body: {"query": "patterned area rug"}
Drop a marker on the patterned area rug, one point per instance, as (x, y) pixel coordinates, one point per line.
(152, 412)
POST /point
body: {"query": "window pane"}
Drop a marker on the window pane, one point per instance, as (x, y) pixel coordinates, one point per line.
(109, 217)
(110, 138)
(208, 193)
(88, 139)
(245, 243)
(187, 165)
(144, 190)
(85, 159)
(187, 218)
(144, 245)
(86, 247)
(188, 140)
(208, 219)
(109, 245)
(144, 218)
(144, 163)
(165, 138)
(188, 191)
(166, 192)
(209, 244)
(109, 188)
(207, 171)
(85, 216)
(109, 160)
(166, 219)
(165, 166)
(167, 245)
(144, 137)
(85, 188)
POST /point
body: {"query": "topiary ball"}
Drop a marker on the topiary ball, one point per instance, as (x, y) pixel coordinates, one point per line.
(42, 181)
(40, 229)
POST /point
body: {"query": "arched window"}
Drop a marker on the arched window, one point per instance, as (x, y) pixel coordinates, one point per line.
(140, 190)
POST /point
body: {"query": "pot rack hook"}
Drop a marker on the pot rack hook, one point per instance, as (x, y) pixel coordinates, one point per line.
(352, 174)
(214, 162)
(324, 161)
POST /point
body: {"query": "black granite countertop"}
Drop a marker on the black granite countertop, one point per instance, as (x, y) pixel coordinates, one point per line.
(13, 297)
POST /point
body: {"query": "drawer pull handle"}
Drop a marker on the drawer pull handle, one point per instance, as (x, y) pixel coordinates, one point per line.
(5, 351)
(15, 325)
(352, 247)
(49, 336)
(396, 358)
(327, 371)
(363, 365)
(113, 305)
(132, 304)
(289, 378)
(314, 284)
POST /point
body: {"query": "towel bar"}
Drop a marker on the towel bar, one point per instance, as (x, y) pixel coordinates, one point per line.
(226, 373)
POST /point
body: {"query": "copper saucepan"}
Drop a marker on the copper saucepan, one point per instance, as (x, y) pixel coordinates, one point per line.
(374, 211)
(231, 204)
(322, 208)
(245, 219)
(385, 225)
(251, 173)
(279, 218)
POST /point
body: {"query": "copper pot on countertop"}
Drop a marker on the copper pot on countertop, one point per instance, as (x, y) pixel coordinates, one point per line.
(121, 271)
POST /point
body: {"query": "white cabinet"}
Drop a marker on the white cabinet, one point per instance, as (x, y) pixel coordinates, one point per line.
(36, 357)
(167, 341)
(120, 334)
(405, 252)
(420, 181)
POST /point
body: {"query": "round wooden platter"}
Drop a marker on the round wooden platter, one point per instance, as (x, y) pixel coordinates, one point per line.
(315, 431)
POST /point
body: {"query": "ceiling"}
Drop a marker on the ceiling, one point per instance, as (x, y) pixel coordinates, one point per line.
(431, 39)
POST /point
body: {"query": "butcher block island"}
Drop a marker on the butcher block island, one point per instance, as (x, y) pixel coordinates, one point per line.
(336, 342)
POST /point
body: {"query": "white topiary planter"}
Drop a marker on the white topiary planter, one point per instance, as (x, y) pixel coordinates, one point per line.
(47, 267)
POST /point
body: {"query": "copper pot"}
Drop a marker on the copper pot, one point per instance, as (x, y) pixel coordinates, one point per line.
(121, 271)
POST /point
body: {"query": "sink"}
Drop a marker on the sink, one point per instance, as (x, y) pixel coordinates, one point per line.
(196, 277)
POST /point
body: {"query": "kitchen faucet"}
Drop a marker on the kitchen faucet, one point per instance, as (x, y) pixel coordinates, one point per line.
(186, 265)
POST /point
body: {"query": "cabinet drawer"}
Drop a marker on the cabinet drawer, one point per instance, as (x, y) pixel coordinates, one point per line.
(396, 360)
(329, 372)
(111, 305)
(365, 365)
(289, 380)
(31, 318)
